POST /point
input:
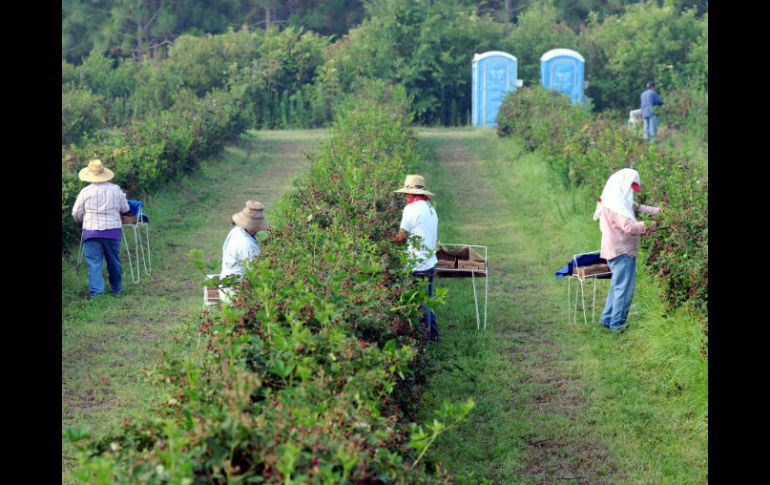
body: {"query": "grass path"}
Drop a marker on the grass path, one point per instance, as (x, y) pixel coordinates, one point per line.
(109, 345)
(556, 402)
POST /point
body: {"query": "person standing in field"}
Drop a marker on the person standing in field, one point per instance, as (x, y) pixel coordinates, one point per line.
(420, 219)
(241, 243)
(620, 230)
(650, 99)
(98, 207)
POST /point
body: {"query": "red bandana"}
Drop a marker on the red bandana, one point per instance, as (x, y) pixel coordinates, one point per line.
(415, 198)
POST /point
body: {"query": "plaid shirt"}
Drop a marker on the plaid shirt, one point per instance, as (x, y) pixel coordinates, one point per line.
(99, 206)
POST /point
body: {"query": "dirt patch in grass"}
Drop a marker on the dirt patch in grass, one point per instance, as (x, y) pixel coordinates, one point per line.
(566, 451)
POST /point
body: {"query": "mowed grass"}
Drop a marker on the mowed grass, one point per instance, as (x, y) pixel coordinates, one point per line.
(556, 401)
(110, 345)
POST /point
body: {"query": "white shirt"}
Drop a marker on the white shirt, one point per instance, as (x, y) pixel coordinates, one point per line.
(420, 219)
(239, 247)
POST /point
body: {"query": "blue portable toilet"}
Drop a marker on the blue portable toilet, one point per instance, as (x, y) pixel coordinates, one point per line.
(494, 75)
(563, 70)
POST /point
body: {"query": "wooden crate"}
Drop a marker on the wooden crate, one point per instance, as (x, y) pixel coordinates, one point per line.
(474, 265)
(447, 263)
(128, 219)
(211, 293)
(594, 269)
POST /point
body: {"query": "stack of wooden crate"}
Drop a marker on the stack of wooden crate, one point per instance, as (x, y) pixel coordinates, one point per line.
(461, 258)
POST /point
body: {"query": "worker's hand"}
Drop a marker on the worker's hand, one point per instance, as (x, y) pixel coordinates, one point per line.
(651, 226)
(401, 237)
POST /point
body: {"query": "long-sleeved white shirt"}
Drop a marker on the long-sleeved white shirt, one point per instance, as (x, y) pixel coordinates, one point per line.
(239, 248)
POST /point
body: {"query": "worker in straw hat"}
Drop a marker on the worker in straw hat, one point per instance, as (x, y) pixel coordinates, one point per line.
(616, 212)
(419, 219)
(241, 243)
(98, 207)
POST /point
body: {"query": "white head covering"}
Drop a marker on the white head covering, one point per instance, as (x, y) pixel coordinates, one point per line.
(618, 196)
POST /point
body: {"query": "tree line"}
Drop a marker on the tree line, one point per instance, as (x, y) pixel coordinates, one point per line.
(425, 46)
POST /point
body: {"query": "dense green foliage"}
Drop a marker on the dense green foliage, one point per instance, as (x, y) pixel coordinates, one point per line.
(646, 42)
(303, 373)
(425, 46)
(136, 28)
(268, 65)
(584, 150)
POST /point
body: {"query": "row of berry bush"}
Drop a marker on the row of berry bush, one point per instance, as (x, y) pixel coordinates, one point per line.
(148, 152)
(275, 67)
(150, 122)
(584, 149)
(307, 374)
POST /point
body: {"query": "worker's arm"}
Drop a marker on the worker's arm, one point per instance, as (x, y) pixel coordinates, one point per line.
(649, 210)
(401, 237)
(79, 209)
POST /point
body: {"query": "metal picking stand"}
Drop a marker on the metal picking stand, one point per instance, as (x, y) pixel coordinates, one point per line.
(472, 274)
(140, 241)
(579, 287)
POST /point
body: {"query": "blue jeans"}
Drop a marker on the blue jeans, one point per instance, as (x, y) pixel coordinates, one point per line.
(428, 317)
(94, 250)
(650, 127)
(621, 291)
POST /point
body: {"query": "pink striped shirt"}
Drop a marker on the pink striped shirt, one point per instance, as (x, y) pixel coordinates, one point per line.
(99, 205)
(619, 233)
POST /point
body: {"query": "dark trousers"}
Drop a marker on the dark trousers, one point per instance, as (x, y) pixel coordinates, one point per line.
(428, 317)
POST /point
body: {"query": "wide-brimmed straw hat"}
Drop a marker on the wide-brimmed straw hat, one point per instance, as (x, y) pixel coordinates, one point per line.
(95, 172)
(252, 217)
(414, 184)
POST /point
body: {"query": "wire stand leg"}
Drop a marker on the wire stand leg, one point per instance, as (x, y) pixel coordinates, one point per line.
(475, 300)
(577, 289)
(149, 254)
(80, 251)
(486, 297)
(128, 252)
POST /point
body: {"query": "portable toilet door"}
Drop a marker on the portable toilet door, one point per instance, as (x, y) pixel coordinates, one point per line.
(494, 76)
(563, 70)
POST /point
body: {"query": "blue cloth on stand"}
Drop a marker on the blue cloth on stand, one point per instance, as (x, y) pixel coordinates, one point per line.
(135, 206)
(582, 260)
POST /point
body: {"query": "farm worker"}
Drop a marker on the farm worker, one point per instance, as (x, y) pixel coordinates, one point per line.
(617, 222)
(241, 243)
(419, 219)
(98, 207)
(650, 99)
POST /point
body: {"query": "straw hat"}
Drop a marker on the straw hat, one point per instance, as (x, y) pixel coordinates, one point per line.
(95, 172)
(414, 184)
(252, 217)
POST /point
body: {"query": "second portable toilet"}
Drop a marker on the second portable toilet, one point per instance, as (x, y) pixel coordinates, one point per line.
(563, 70)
